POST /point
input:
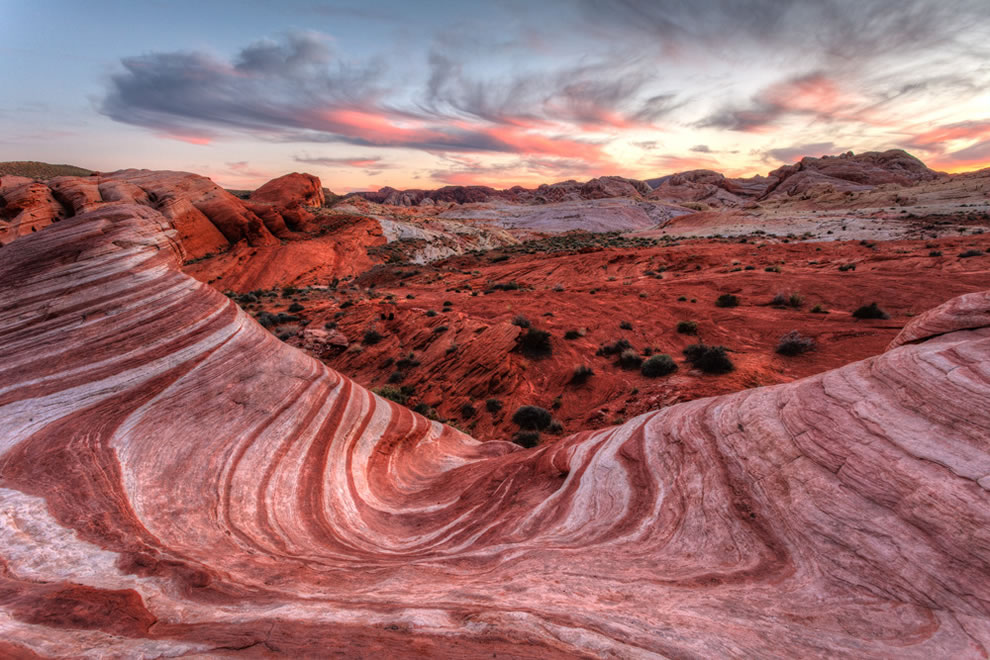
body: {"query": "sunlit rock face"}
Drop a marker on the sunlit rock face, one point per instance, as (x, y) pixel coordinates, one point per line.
(290, 191)
(206, 217)
(176, 481)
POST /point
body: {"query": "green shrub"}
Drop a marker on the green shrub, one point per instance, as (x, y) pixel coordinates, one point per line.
(392, 393)
(658, 365)
(687, 327)
(818, 309)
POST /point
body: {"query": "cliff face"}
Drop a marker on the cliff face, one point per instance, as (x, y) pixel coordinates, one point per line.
(177, 481)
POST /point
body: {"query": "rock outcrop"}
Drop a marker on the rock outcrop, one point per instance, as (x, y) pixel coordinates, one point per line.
(291, 191)
(847, 172)
(176, 481)
(207, 217)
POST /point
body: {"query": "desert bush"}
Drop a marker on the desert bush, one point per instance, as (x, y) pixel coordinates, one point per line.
(532, 418)
(727, 300)
(392, 393)
(818, 309)
(614, 348)
(970, 253)
(296, 307)
(630, 359)
(625, 325)
(710, 359)
(289, 291)
(396, 377)
(845, 267)
(440, 329)
(572, 334)
(658, 365)
(521, 321)
(535, 343)
(794, 343)
(493, 405)
(431, 312)
(871, 311)
(527, 439)
(468, 411)
(935, 253)
(581, 374)
(787, 300)
(371, 337)
(408, 362)
(687, 327)
(772, 269)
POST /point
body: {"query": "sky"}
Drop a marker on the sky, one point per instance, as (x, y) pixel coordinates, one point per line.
(504, 92)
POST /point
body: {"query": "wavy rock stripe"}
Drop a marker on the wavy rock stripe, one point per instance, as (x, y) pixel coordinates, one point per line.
(176, 481)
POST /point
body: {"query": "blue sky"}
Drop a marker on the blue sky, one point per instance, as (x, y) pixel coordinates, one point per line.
(501, 93)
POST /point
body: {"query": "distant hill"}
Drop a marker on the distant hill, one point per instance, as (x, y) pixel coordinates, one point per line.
(37, 170)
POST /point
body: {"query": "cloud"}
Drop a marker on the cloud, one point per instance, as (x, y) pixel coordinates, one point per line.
(796, 152)
(813, 94)
(701, 149)
(296, 90)
(838, 30)
(355, 161)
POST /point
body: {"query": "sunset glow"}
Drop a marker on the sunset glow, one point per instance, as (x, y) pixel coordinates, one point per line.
(431, 95)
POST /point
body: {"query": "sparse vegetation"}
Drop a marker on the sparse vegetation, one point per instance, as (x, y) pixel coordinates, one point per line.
(818, 309)
(532, 418)
(535, 343)
(687, 327)
(398, 394)
(630, 359)
(871, 311)
(493, 405)
(521, 321)
(527, 439)
(658, 365)
(371, 337)
(709, 359)
(614, 348)
(581, 374)
(970, 253)
(794, 343)
(787, 300)
(727, 300)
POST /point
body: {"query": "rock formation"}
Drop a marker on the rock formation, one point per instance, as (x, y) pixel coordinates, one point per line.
(207, 217)
(847, 172)
(291, 191)
(176, 481)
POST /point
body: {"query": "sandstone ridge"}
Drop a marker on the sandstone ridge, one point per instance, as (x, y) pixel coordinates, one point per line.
(176, 481)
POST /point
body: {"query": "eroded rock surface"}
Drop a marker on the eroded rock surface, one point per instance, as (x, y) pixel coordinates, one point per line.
(174, 480)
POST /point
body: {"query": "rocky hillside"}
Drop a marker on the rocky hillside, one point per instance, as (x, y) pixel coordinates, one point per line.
(177, 481)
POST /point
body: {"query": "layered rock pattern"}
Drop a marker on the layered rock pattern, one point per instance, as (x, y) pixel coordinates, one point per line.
(176, 481)
(207, 217)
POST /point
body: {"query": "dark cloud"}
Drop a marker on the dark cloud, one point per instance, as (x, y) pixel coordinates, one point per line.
(794, 153)
(605, 93)
(839, 29)
(701, 149)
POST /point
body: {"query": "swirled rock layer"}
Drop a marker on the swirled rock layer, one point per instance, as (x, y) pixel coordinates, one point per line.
(176, 481)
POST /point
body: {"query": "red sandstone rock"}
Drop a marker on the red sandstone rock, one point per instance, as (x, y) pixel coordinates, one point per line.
(290, 191)
(177, 481)
(25, 207)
